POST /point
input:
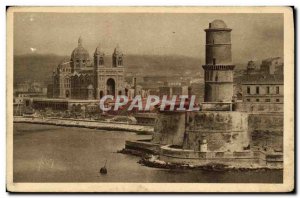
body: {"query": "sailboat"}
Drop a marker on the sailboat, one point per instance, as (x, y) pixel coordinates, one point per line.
(103, 170)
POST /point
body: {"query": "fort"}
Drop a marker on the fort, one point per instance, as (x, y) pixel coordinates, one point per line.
(222, 132)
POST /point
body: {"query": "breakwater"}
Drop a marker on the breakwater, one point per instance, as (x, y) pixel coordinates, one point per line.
(92, 124)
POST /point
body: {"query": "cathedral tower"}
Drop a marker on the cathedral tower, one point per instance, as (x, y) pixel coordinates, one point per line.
(218, 64)
(98, 58)
(109, 80)
(117, 57)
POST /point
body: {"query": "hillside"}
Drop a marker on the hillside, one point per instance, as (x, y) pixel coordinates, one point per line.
(40, 67)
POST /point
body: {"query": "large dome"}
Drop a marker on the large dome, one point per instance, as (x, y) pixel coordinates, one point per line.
(217, 24)
(79, 53)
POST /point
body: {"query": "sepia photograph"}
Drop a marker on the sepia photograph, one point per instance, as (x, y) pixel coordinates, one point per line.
(150, 99)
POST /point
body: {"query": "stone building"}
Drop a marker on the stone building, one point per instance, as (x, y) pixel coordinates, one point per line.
(81, 78)
(261, 88)
(272, 65)
(218, 64)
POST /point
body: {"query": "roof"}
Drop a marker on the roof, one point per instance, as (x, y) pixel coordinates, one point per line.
(262, 79)
(271, 59)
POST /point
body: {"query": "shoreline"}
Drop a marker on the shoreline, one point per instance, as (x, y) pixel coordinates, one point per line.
(91, 124)
(153, 161)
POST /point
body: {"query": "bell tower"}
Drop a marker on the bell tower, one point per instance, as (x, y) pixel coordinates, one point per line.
(117, 57)
(98, 58)
(218, 63)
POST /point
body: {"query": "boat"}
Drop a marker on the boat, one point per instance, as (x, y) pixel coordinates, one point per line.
(103, 170)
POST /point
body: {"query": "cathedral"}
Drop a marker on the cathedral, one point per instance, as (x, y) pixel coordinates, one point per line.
(82, 78)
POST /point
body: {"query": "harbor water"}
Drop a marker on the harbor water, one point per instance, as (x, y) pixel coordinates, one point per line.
(47, 153)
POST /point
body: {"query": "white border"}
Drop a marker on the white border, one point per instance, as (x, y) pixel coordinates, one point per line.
(208, 187)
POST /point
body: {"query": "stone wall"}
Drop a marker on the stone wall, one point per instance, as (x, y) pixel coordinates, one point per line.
(243, 158)
(258, 107)
(266, 131)
(143, 146)
(223, 131)
(169, 128)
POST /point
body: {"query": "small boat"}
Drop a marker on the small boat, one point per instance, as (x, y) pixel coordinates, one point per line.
(103, 170)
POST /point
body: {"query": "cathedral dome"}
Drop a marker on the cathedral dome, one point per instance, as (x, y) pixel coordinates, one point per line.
(79, 53)
(217, 24)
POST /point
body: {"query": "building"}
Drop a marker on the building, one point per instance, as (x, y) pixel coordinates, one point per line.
(218, 64)
(272, 65)
(262, 93)
(86, 79)
(260, 89)
(263, 88)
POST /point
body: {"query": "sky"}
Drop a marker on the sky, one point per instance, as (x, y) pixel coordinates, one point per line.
(254, 36)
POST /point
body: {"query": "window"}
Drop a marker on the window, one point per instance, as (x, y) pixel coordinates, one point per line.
(277, 100)
(257, 90)
(268, 100)
(268, 90)
(248, 90)
(216, 77)
(257, 100)
(248, 100)
(277, 90)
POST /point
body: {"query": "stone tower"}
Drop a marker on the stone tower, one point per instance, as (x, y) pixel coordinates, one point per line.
(218, 64)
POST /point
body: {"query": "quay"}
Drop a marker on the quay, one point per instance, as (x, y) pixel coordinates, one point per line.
(92, 124)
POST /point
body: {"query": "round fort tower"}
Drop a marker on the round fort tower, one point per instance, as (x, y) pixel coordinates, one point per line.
(218, 64)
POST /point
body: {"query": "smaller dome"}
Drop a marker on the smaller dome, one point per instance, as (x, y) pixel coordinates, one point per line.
(217, 24)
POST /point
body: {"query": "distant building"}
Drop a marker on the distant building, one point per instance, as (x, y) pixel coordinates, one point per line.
(173, 88)
(252, 67)
(30, 89)
(272, 65)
